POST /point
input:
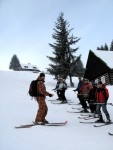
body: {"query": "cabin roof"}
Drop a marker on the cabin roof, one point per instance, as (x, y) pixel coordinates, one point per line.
(29, 66)
(98, 63)
(106, 56)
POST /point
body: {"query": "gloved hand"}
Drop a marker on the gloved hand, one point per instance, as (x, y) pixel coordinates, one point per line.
(74, 90)
(50, 95)
(106, 99)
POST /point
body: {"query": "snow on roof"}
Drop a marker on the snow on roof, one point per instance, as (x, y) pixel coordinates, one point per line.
(29, 66)
(106, 56)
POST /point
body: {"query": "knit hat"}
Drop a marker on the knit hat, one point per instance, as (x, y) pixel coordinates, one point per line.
(85, 79)
(42, 74)
(100, 82)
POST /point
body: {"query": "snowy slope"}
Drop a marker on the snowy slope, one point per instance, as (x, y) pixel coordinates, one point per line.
(16, 108)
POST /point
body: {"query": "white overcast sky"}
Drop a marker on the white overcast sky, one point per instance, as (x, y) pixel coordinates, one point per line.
(26, 27)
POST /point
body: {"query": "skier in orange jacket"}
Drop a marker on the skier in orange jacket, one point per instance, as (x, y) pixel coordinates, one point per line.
(42, 93)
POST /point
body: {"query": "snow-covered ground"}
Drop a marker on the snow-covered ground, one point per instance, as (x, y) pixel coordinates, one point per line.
(17, 108)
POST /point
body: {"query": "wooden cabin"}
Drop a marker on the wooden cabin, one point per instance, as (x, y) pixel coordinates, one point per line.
(29, 67)
(99, 67)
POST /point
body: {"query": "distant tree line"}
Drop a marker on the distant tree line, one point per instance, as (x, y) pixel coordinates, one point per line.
(105, 47)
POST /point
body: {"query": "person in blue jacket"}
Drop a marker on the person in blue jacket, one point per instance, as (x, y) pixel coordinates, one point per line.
(80, 83)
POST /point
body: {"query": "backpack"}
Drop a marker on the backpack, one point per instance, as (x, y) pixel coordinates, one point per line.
(33, 88)
(65, 85)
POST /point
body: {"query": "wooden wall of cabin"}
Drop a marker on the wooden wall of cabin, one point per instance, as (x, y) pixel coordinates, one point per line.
(105, 78)
(111, 76)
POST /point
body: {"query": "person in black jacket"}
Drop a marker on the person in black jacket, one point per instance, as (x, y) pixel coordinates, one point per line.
(80, 83)
(57, 89)
(62, 88)
(92, 98)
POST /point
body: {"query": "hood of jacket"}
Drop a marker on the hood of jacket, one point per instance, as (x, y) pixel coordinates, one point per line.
(40, 79)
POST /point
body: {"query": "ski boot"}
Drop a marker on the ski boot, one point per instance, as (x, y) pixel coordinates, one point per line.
(45, 121)
(39, 123)
(108, 119)
(100, 120)
(84, 111)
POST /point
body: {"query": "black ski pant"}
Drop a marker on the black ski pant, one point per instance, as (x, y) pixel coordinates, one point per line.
(62, 95)
(83, 101)
(58, 94)
(92, 105)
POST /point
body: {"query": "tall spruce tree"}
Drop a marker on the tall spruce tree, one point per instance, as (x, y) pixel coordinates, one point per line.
(64, 59)
(111, 46)
(15, 63)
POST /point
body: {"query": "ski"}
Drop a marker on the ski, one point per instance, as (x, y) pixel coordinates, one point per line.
(104, 124)
(59, 102)
(77, 108)
(88, 118)
(81, 117)
(110, 133)
(76, 111)
(90, 122)
(51, 100)
(49, 124)
(88, 115)
(57, 124)
(56, 102)
(103, 104)
(25, 126)
(73, 103)
(73, 111)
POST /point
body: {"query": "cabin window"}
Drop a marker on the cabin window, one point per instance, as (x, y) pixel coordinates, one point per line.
(96, 81)
(25, 66)
(103, 79)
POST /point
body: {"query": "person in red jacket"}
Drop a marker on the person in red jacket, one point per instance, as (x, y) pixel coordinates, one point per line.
(84, 94)
(102, 96)
(42, 93)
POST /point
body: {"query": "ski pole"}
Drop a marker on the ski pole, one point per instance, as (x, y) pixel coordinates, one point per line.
(102, 104)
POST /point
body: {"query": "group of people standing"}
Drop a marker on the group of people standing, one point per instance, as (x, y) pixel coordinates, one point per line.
(89, 94)
(93, 96)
